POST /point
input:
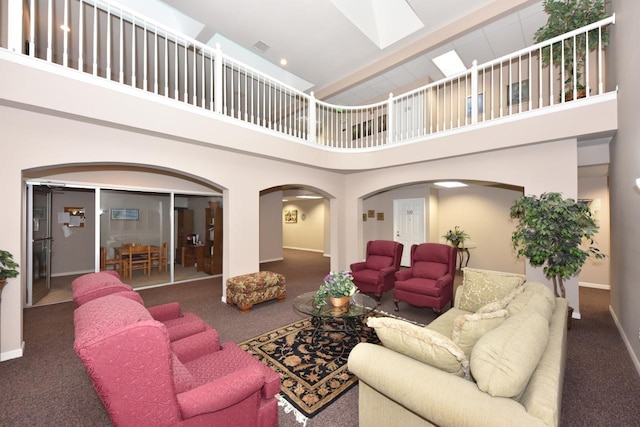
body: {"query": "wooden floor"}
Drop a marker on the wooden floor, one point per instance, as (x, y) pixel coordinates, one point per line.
(61, 285)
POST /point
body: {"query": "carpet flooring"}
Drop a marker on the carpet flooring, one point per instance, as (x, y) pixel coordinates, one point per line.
(48, 386)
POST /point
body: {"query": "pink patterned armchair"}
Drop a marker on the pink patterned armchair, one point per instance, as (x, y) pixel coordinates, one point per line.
(429, 281)
(145, 380)
(97, 285)
(376, 274)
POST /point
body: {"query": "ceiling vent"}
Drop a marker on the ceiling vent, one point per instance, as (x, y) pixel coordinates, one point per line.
(261, 46)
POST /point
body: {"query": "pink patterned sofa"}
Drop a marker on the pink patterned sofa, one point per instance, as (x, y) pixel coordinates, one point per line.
(89, 287)
(144, 379)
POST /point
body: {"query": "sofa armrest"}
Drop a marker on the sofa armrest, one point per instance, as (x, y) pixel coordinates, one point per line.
(358, 266)
(404, 274)
(165, 312)
(197, 345)
(221, 393)
(409, 383)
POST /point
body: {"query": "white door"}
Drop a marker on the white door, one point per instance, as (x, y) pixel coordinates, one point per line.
(408, 225)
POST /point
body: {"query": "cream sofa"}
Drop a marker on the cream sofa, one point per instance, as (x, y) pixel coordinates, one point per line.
(497, 358)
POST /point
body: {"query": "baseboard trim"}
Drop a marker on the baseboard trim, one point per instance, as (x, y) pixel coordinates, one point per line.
(626, 341)
(303, 249)
(12, 354)
(72, 273)
(594, 285)
(271, 260)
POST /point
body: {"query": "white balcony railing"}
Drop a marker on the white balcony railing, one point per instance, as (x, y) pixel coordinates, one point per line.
(112, 42)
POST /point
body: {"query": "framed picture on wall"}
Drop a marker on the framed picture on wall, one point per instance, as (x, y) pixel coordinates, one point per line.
(124, 214)
(515, 95)
(290, 216)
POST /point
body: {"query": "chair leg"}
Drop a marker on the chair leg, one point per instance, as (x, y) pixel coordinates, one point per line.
(378, 298)
(395, 301)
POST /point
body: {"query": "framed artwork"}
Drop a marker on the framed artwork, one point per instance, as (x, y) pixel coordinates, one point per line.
(124, 214)
(514, 95)
(371, 213)
(364, 217)
(380, 216)
(290, 216)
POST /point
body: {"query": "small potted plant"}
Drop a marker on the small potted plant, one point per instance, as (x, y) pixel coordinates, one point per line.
(566, 16)
(338, 287)
(8, 268)
(456, 237)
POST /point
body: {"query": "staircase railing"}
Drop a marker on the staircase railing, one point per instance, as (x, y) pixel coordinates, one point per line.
(112, 42)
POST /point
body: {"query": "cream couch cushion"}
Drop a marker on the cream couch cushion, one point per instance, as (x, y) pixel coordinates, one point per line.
(503, 360)
(468, 328)
(422, 344)
(532, 300)
(481, 287)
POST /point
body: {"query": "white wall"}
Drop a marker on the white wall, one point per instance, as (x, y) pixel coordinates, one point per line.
(596, 272)
(625, 169)
(308, 233)
(271, 226)
(483, 212)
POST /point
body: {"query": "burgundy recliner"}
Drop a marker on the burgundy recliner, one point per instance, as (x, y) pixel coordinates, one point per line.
(376, 274)
(429, 281)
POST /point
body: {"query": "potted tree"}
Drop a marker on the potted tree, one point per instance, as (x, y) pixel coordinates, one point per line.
(8, 268)
(550, 233)
(566, 16)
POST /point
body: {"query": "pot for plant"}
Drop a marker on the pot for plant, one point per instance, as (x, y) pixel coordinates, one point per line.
(569, 317)
(568, 96)
(339, 302)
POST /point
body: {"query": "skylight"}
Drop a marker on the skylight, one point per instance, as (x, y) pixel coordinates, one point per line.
(384, 22)
(449, 63)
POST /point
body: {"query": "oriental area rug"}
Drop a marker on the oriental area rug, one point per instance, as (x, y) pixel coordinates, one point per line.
(313, 373)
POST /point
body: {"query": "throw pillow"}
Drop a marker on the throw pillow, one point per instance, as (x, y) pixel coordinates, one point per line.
(504, 359)
(480, 287)
(469, 328)
(421, 344)
(532, 301)
(503, 303)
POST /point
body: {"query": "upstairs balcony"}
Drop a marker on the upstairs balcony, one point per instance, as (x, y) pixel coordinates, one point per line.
(110, 42)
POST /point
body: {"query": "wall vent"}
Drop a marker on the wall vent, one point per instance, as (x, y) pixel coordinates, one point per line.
(261, 46)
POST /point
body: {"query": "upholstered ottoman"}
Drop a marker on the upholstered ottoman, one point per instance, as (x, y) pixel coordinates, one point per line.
(249, 289)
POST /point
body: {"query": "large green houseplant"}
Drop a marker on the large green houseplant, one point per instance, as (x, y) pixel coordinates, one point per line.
(551, 232)
(8, 268)
(566, 16)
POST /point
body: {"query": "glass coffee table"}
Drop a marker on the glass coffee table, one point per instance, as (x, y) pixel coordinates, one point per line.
(347, 319)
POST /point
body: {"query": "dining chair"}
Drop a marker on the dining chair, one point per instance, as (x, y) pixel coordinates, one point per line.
(161, 257)
(106, 262)
(139, 259)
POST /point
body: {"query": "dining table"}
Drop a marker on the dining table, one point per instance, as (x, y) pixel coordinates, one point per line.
(122, 253)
